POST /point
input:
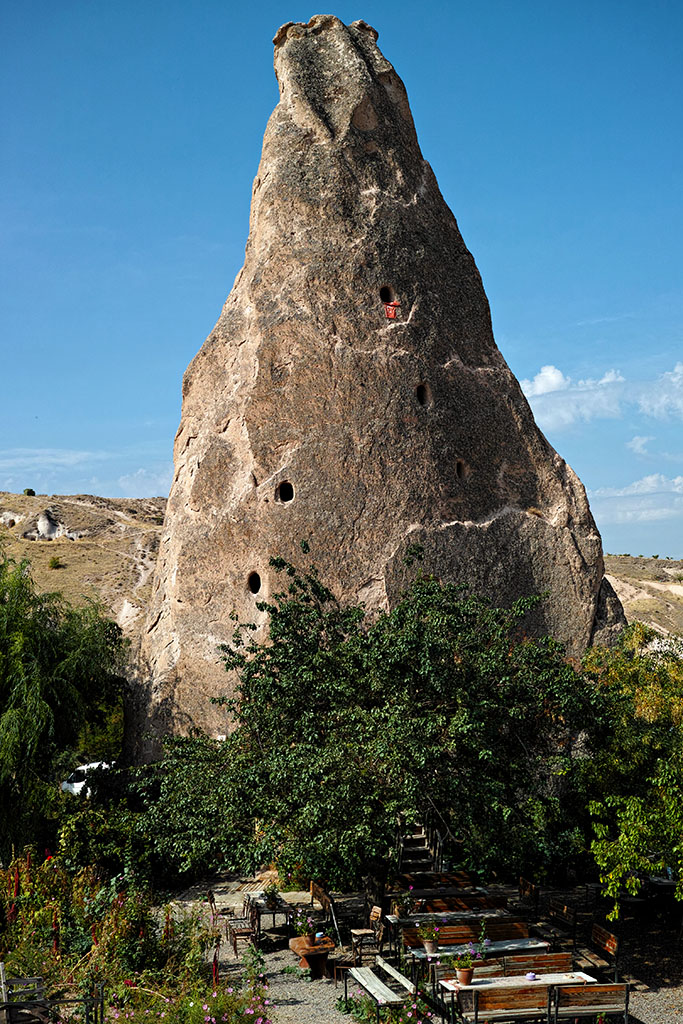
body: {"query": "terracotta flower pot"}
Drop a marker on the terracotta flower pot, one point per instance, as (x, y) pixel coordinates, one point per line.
(465, 975)
(430, 945)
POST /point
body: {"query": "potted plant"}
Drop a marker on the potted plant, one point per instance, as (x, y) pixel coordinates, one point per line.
(464, 964)
(271, 894)
(304, 924)
(428, 932)
(404, 903)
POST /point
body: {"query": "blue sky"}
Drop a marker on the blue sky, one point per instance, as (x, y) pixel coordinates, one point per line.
(131, 132)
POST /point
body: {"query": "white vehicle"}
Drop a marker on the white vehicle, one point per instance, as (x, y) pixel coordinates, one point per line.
(78, 778)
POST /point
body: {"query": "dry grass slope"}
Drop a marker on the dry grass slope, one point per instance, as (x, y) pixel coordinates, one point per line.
(650, 589)
(106, 547)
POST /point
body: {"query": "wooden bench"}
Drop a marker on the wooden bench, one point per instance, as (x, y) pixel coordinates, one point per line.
(375, 987)
(527, 1003)
(561, 924)
(497, 929)
(607, 943)
(573, 1001)
(539, 963)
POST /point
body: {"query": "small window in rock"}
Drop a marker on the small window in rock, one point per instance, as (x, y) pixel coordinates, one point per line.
(386, 293)
(284, 491)
(254, 582)
(423, 393)
(460, 469)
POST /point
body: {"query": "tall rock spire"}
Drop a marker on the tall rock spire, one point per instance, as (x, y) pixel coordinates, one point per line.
(352, 395)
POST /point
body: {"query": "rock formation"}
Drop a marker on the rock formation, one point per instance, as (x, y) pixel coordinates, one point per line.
(352, 395)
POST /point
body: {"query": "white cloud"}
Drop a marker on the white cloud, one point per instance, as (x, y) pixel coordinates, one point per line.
(557, 402)
(605, 320)
(548, 379)
(664, 397)
(655, 483)
(653, 498)
(638, 444)
(30, 459)
(144, 483)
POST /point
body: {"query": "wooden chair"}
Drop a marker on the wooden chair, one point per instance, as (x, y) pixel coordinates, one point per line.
(368, 939)
(529, 895)
(339, 963)
(575, 1001)
(216, 914)
(243, 929)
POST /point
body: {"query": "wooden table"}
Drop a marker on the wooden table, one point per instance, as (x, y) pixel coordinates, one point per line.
(499, 948)
(258, 901)
(312, 955)
(511, 982)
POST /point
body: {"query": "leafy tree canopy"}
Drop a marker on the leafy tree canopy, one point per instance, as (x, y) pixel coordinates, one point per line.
(638, 816)
(343, 727)
(59, 675)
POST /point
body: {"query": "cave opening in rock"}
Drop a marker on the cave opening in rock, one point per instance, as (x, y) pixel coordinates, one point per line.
(460, 469)
(284, 491)
(386, 293)
(423, 393)
(254, 582)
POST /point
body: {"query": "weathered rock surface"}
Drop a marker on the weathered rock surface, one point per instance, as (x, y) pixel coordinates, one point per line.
(309, 414)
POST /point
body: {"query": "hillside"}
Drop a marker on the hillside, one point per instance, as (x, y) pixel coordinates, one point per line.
(650, 589)
(107, 548)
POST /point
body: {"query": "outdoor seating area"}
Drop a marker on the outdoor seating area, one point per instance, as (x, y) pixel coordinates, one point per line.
(539, 954)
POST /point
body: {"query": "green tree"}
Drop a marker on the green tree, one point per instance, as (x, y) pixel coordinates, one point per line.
(343, 727)
(638, 766)
(59, 674)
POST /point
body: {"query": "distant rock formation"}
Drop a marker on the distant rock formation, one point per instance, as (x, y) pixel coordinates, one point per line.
(352, 395)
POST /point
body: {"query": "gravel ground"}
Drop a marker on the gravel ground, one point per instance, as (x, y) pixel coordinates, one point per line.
(298, 1001)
